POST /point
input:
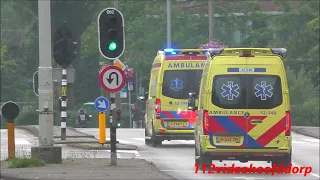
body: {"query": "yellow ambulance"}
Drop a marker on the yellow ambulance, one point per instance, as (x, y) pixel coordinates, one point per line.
(243, 107)
(174, 73)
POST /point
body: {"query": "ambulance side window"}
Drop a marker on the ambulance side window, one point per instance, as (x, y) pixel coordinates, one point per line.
(203, 85)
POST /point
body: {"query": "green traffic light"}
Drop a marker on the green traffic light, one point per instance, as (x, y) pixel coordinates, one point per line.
(112, 46)
(118, 124)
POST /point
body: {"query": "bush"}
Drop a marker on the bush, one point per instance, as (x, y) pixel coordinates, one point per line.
(304, 99)
(306, 114)
(28, 118)
(71, 118)
(25, 162)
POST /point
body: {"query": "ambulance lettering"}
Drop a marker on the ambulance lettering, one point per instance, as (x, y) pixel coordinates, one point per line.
(186, 65)
(227, 112)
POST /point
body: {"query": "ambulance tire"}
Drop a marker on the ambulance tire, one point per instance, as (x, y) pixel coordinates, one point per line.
(146, 141)
(202, 160)
(154, 140)
(285, 162)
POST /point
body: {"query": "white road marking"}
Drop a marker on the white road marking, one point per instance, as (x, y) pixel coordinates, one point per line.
(298, 142)
(185, 141)
(312, 140)
(18, 141)
(172, 170)
(21, 142)
(315, 175)
(247, 178)
(125, 142)
(169, 142)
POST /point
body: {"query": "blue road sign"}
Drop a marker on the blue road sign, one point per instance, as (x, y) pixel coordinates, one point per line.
(102, 104)
(130, 86)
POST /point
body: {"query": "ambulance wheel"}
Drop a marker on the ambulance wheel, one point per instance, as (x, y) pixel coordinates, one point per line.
(201, 160)
(146, 141)
(154, 140)
(285, 162)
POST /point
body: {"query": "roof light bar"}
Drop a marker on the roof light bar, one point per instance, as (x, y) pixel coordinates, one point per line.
(168, 50)
(279, 51)
(214, 51)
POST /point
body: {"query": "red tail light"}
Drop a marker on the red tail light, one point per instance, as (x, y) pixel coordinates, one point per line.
(158, 108)
(205, 122)
(288, 124)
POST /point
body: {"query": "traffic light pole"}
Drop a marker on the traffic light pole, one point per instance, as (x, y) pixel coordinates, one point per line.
(113, 130)
(111, 45)
(63, 113)
(113, 124)
(130, 109)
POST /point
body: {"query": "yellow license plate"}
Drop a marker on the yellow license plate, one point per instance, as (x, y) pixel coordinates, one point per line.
(228, 139)
(177, 124)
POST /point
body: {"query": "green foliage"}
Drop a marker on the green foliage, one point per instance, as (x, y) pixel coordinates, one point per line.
(13, 82)
(28, 118)
(71, 118)
(240, 23)
(25, 162)
(304, 99)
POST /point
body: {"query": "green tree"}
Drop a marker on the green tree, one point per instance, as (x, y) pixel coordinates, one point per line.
(13, 83)
(298, 29)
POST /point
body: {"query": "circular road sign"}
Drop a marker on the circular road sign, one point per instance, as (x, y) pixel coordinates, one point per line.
(10, 110)
(112, 79)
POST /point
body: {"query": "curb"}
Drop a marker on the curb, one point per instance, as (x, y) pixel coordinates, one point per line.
(81, 142)
(105, 147)
(32, 130)
(300, 131)
(35, 132)
(8, 177)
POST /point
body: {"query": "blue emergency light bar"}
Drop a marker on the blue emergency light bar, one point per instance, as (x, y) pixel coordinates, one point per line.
(171, 51)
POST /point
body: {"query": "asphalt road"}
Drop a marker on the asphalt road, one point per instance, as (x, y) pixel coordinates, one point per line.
(177, 157)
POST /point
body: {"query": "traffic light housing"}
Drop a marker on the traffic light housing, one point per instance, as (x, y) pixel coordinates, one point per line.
(64, 48)
(116, 118)
(111, 33)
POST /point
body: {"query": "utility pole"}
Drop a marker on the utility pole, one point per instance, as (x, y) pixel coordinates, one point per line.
(46, 151)
(168, 23)
(211, 19)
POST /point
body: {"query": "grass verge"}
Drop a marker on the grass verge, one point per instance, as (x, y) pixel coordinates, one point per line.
(25, 162)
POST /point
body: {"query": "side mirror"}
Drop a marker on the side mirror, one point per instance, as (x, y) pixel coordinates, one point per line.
(192, 101)
(143, 96)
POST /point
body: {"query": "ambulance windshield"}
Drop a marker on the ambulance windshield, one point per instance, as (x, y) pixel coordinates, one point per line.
(178, 83)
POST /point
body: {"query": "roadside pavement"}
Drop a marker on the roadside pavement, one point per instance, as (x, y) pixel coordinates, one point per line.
(76, 139)
(307, 131)
(87, 169)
